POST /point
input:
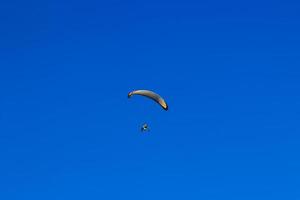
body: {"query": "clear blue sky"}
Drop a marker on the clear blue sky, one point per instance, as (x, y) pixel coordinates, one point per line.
(228, 69)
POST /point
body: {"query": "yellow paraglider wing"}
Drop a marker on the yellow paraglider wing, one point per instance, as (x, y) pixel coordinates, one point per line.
(151, 95)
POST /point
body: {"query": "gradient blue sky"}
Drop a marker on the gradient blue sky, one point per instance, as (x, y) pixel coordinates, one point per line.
(228, 69)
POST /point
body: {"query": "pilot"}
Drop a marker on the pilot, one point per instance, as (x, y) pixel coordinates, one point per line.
(144, 127)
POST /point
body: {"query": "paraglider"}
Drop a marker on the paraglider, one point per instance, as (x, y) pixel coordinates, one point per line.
(145, 127)
(153, 96)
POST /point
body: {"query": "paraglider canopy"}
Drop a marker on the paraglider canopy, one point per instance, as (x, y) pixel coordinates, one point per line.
(152, 95)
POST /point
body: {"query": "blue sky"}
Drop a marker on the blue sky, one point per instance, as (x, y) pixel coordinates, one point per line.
(228, 69)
